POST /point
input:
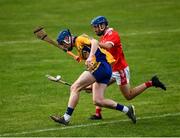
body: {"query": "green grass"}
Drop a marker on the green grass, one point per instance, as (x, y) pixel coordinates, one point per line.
(150, 35)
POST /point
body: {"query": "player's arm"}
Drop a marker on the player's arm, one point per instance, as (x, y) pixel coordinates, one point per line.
(41, 34)
(91, 62)
(94, 47)
(106, 45)
(76, 57)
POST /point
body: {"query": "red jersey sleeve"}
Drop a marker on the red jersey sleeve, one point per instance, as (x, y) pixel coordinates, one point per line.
(116, 51)
(113, 38)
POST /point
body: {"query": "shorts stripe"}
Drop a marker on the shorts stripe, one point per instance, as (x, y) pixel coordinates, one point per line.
(122, 77)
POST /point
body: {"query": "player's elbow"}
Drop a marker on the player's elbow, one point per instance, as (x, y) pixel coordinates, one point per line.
(94, 42)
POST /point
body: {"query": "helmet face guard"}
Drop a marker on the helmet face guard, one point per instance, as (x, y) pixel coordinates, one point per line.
(65, 39)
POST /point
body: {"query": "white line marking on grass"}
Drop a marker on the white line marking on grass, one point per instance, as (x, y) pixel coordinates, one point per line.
(87, 125)
(125, 34)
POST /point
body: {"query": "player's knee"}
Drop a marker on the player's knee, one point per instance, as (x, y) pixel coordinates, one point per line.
(97, 102)
(128, 96)
(75, 87)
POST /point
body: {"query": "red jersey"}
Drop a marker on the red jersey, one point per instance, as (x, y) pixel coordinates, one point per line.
(113, 37)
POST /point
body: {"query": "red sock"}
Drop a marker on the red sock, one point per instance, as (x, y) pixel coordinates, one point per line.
(148, 84)
(98, 112)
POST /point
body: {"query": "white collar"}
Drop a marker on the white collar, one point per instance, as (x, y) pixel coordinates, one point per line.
(108, 30)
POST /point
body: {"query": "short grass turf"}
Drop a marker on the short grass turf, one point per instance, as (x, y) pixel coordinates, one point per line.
(150, 34)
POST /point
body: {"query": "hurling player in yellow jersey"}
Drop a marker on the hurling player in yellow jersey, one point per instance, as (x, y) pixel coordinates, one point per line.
(98, 73)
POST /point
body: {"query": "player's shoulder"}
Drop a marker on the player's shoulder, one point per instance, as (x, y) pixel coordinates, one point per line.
(83, 39)
(113, 32)
(83, 36)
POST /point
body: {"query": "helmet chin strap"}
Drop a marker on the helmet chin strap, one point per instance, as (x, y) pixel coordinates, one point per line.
(71, 41)
(71, 44)
(101, 28)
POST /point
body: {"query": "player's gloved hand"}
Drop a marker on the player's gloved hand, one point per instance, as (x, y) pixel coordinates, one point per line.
(88, 61)
(77, 58)
(91, 63)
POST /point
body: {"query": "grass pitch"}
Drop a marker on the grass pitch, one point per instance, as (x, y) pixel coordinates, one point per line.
(150, 35)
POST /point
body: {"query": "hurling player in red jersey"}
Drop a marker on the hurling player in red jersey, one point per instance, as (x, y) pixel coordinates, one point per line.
(110, 40)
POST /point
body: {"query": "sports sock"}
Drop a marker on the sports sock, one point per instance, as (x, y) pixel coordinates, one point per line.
(68, 113)
(148, 84)
(98, 111)
(125, 109)
(122, 108)
(119, 107)
(67, 117)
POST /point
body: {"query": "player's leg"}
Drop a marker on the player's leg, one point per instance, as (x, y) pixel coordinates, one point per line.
(98, 109)
(85, 79)
(123, 77)
(98, 96)
(98, 99)
(129, 93)
(102, 74)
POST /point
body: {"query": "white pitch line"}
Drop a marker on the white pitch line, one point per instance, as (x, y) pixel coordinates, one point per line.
(125, 34)
(87, 125)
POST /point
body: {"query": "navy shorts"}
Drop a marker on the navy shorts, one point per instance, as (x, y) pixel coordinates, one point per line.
(103, 73)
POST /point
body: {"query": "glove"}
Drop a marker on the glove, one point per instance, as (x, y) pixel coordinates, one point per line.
(77, 58)
(91, 64)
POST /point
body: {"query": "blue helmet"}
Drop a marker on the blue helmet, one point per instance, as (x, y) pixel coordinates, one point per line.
(64, 34)
(99, 20)
(65, 37)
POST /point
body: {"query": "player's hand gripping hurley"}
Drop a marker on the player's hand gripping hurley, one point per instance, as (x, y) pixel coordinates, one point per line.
(41, 34)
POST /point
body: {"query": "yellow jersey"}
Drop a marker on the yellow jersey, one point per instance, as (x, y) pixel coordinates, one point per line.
(83, 46)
